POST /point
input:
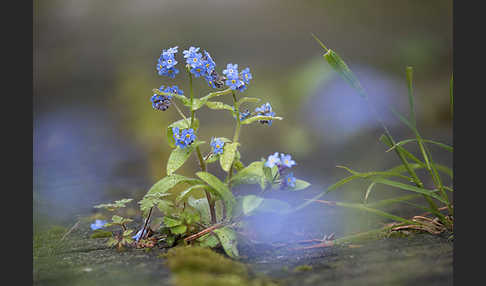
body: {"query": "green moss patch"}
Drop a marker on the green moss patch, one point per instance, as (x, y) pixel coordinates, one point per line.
(190, 264)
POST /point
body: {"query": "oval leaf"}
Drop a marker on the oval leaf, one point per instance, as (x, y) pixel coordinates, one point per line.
(251, 174)
(300, 185)
(179, 156)
(258, 118)
(227, 237)
(229, 152)
(250, 203)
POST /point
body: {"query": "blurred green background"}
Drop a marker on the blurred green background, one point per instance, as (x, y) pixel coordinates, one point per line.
(96, 137)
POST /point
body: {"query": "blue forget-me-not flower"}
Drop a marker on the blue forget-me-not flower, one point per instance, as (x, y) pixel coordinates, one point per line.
(217, 145)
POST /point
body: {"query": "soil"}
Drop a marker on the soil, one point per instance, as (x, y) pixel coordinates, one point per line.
(417, 259)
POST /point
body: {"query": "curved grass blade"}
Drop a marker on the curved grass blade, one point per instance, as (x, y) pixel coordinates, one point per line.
(367, 209)
(375, 173)
(403, 142)
(368, 191)
(406, 187)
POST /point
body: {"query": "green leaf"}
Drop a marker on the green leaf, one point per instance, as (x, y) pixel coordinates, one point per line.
(208, 240)
(180, 229)
(127, 232)
(151, 200)
(191, 216)
(403, 142)
(368, 209)
(341, 68)
(169, 182)
(251, 174)
(406, 187)
(374, 174)
(215, 94)
(258, 118)
(218, 105)
(186, 101)
(229, 152)
(166, 207)
(368, 191)
(227, 237)
(271, 174)
(114, 206)
(251, 203)
(197, 103)
(248, 99)
(202, 206)
(273, 206)
(417, 135)
(181, 124)
(179, 156)
(238, 165)
(159, 190)
(300, 185)
(171, 222)
(184, 194)
(221, 188)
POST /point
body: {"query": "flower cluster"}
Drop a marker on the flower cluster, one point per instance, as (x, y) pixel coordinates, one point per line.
(202, 65)
(166, 63)
(98, 224)
(235, 80)
(184, 138)
(265, 110)
(162, 102)
(217, 146)
(283, 162)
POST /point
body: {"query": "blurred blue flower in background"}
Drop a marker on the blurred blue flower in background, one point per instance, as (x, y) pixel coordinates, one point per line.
(98, 224)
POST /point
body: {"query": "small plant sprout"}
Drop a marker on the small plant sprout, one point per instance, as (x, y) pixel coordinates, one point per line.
(118, 239)
(206, 212)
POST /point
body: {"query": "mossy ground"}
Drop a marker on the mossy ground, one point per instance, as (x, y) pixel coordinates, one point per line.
(418, 259)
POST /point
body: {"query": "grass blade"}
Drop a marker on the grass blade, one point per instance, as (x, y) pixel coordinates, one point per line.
(367, 209)
(403, 142)
(368, 191)
(411, 188)
(409, 72)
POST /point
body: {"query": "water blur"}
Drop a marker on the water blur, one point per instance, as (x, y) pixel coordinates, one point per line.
(97, 138)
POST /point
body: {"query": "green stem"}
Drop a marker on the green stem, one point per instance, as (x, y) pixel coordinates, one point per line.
(192, 98)
(202, 164)
(236, 136)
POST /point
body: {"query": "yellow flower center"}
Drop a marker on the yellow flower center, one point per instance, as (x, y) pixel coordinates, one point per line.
(233, 81)
(188, 135)
(217, 146)
(194, 60)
